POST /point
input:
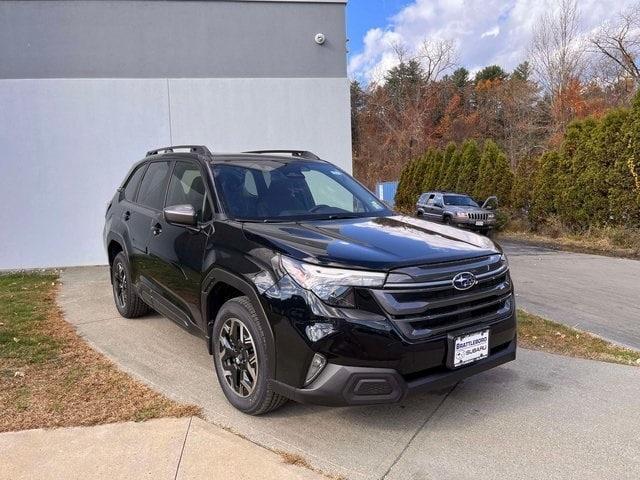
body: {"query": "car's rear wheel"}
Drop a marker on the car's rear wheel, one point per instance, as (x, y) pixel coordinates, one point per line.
(240, 354)
(127, 301)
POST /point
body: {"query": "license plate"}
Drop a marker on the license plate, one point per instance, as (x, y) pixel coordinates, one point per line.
(479, 223)
(470, 348)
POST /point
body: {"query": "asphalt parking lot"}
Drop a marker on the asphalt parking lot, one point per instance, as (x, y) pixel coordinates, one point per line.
(542, 416)
(589, 292)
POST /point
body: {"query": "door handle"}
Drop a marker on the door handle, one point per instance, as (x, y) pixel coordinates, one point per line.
(156, 229)
(126, 215)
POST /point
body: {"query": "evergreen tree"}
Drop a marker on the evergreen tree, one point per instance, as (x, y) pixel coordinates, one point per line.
(460, 77)
(485, 186)
(619, 200)
(451, 167)
(502, 182)
(422, 171)
(403, 81)
(545, 187)
(403, 191)
(522, 72)
(470, 159)
(630, 185)
(521, 192)
(492, 72)
(357, 104)
(436, 171)
(581, 178)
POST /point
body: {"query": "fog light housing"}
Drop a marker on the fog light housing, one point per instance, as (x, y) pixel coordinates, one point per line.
(507, 304)
(318, 331)
(317, 365)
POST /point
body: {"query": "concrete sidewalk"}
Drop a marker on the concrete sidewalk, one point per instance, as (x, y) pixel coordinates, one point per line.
(168, 448)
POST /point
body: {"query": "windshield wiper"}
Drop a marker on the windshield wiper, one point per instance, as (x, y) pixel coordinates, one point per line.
(340, 216)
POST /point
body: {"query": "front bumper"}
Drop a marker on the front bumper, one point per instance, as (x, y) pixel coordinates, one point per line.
(343, 385)
(472, 224)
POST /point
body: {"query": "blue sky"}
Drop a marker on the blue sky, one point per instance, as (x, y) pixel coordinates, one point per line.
(363, 15)
(485, 32)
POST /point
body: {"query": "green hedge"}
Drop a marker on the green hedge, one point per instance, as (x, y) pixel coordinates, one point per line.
(591, 180)
(466, 168)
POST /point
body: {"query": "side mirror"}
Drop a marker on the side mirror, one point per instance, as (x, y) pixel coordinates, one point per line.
(181, 215)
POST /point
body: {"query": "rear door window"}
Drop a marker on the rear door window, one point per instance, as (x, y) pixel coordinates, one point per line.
(154, 185)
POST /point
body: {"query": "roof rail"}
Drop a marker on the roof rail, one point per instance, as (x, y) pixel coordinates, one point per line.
(192, 149)
(294, 153)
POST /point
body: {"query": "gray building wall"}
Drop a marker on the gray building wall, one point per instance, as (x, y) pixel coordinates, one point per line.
(151, 39)
(82, 98)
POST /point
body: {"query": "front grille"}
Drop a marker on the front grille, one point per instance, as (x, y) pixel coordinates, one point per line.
(478, 216)
(430, 304)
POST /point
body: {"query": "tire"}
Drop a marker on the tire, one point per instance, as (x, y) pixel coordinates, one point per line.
(232, 359)
(446, 220)
(418, 213)
(127, 301)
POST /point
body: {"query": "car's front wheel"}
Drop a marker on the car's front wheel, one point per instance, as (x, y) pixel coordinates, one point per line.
(241, 358)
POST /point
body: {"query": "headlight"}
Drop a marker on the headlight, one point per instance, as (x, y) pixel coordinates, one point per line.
(492, 215)
(331, 285)
(462, 214)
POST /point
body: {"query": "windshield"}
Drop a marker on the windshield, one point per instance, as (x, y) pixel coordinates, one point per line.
(269, 190)
(459, 200)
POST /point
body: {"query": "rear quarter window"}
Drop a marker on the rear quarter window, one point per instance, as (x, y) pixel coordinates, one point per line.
(154, 185)
(131, 186)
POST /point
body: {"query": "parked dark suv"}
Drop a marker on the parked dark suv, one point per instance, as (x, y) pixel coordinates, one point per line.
(303, 284)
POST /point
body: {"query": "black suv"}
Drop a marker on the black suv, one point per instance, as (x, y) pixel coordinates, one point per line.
(303, 284)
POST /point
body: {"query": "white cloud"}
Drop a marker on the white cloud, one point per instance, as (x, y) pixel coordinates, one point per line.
(504, 27)
(494, 32)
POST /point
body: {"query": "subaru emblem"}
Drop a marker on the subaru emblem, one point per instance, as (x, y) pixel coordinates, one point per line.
(464, 281)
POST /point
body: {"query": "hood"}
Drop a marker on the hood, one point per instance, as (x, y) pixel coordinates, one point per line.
(380, 243)
(460, 208)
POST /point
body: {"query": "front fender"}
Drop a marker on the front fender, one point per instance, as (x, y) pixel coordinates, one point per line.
(217, 275)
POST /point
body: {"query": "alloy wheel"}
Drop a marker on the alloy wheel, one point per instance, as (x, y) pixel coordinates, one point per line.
(120, 285)
(238, 357)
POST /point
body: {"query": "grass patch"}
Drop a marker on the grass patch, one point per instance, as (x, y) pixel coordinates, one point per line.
(49, 377)
(537, 333)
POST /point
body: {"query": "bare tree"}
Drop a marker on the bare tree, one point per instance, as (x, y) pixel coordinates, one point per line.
(436, 57)
(557, 55)
(619, 43)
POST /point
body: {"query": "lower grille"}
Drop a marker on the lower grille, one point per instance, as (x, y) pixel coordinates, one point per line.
(422, 309)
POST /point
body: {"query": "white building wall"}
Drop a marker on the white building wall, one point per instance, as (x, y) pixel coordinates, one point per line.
(68, 143)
